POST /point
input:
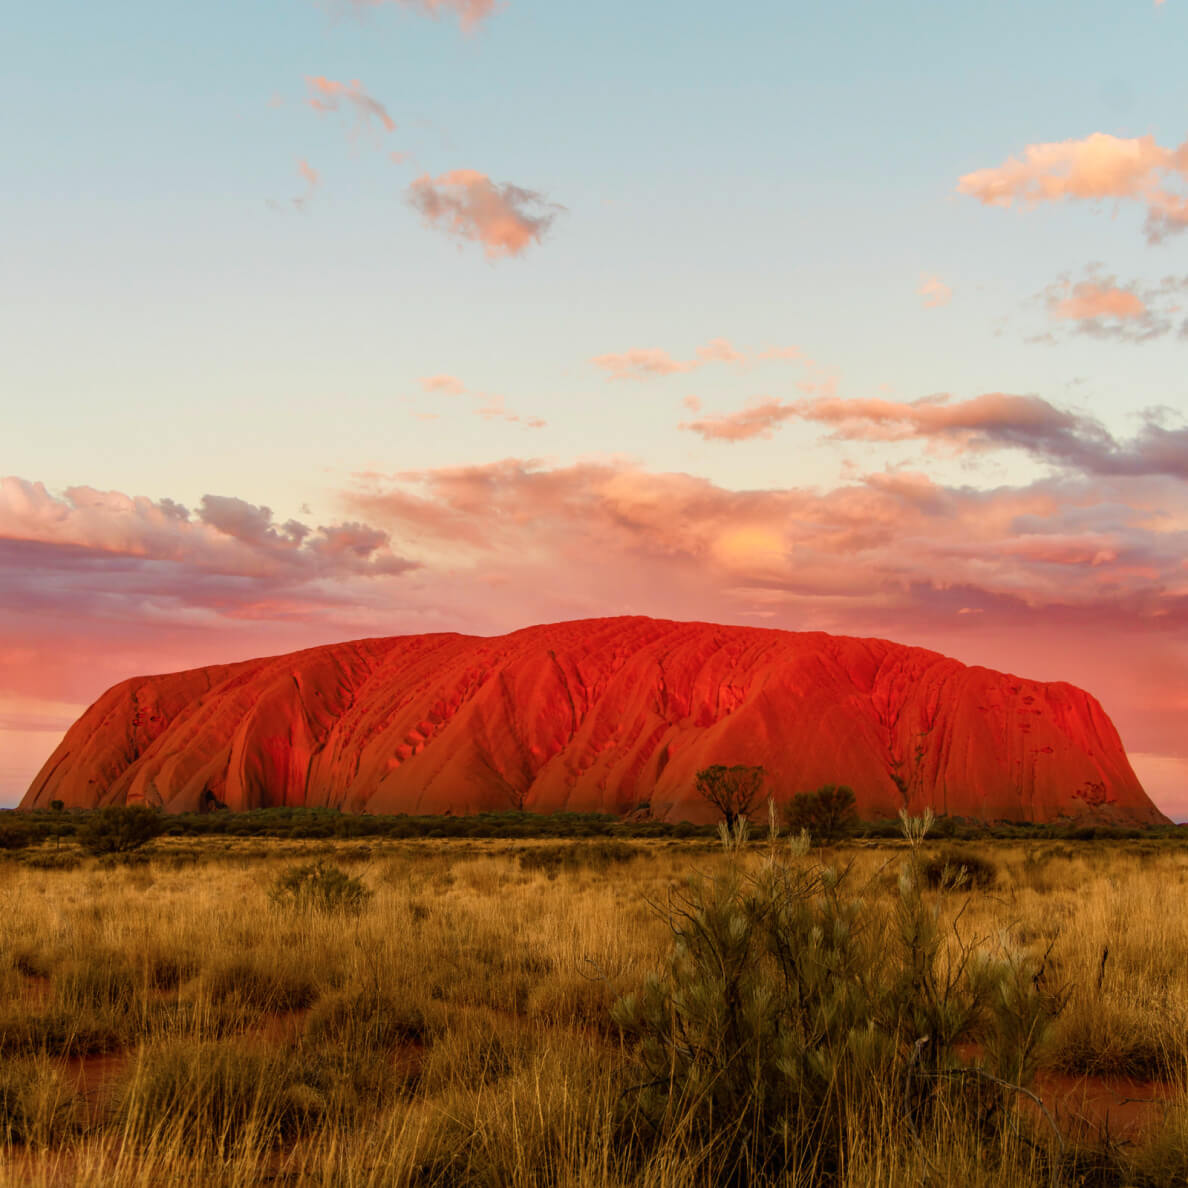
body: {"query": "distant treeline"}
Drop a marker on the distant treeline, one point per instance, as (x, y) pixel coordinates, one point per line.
(20, 829)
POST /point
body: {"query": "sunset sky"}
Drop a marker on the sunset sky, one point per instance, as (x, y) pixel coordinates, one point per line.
(384, 316)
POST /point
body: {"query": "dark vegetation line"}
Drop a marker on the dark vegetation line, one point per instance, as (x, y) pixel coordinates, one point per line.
(23, 828)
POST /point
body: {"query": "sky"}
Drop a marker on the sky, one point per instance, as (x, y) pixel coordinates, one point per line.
(369, 317)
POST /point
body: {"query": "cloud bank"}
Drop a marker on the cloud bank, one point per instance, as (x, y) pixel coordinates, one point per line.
(97, 585)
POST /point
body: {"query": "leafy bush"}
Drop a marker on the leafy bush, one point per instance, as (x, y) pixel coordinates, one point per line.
(321, 887)
(792, 1012)
(120, 829)
(828, 812)
(959, 869)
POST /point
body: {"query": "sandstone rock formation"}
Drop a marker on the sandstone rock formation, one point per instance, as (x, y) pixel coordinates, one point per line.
(601, 714)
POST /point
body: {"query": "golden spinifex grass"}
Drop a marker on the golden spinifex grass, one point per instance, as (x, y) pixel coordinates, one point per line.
(186, 1020)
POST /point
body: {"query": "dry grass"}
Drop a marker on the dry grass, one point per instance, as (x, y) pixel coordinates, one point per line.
(456, 1030)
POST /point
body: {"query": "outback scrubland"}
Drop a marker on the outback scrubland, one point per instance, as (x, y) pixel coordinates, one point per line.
(644, 1012)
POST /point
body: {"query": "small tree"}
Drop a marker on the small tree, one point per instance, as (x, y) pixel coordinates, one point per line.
(119, 829)
(827, 812)
(733, 791)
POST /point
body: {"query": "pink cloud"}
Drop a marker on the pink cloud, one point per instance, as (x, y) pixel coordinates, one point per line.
(226, 536)
(758, 419)
(469, 13)
(495, 410)
(492, 407)
(450, 384)
(892, 524)
(311, 178)
(1089, 301)
(718, 350)
(642, 363)
(327, 95)
(1101, 306)
(999, 420)
(934, 292)
(505, 219)
(1097, 168)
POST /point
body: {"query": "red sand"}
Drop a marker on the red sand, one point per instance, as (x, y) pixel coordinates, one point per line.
(601, 714)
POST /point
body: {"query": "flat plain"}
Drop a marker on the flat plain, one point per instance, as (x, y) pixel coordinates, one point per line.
(446, 1013)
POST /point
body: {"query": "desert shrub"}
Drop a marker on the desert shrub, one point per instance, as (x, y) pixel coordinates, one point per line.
(220, 1094)
(830, 811)
(164, 970)
(792, 1010)
(120, 829)
(476, 1052)
(180, 859)
(125, 860)
(56, 1032)
(36, 1105)
(15, 835)
(259, 987)
(598, 855)
(961, 869)
(102, 981)
(31, 960)
(320, 887)
(51, 860)
(366, 1020)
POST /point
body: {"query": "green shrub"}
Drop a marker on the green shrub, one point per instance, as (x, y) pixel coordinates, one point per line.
(792, 1013)
(120, 829)
(321, 887)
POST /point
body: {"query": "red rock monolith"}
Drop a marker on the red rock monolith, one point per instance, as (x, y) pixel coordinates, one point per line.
(600, 714)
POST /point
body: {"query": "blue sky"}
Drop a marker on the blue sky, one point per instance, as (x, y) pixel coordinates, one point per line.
(774, 175)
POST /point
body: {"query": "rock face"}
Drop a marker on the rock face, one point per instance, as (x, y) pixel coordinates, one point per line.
(601, 714)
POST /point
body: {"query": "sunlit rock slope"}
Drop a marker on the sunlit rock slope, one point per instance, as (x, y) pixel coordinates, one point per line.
(607, 714)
